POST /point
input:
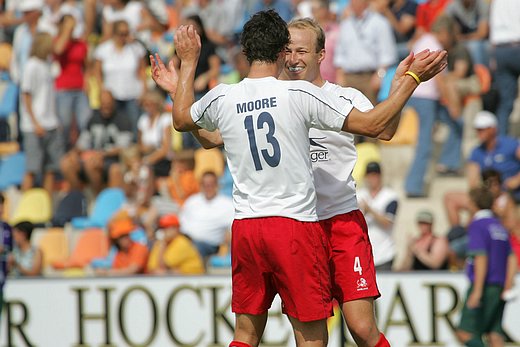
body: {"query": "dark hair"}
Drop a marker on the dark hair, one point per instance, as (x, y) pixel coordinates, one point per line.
(264, 37)
(196, 18)
(482, 197)
(25, 227)
(489, 175)
(2, 200)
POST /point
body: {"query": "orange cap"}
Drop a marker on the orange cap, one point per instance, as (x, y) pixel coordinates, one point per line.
(169, 220)
(121, 227)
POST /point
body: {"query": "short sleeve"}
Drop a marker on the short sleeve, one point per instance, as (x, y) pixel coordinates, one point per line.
(476, 240)
(205, 112)
(28, 79)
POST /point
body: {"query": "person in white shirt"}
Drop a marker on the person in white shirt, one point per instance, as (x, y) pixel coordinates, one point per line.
(379, 204)
(206, 217)
(264, 125)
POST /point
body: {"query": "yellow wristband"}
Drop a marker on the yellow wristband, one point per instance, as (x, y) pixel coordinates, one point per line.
(414, 76)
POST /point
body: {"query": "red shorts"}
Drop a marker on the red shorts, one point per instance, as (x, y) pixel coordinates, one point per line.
(352, 270)
(281, 255)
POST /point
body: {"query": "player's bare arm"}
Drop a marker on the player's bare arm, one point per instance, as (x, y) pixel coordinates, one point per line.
(425, 65)
(208, 139)
(187, 45)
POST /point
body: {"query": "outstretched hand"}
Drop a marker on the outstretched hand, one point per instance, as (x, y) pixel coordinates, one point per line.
(187, 44)
(427, 64)
(164, 77)
(403, 66)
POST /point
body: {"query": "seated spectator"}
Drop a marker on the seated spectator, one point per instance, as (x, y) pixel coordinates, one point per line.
(173, 252)
(131, 256)
(25, 260)
(181, 183)
(473, 19)
(154, 133)
(207, 216)
(460, 79)
(379, 205)
(95, 159)
(427, 251)
(39, 123)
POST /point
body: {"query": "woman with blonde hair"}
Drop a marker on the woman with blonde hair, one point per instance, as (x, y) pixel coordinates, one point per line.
(39, 124)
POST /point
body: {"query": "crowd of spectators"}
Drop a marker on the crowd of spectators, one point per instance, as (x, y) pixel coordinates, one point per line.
(77, 98)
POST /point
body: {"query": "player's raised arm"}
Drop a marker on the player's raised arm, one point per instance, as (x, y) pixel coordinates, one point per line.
(425, 65)
(187, 46)
(164, 76)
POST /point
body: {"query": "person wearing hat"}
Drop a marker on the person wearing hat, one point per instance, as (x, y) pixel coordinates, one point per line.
(131, 257)
(426, 251)
(173, 252)
(379, 205)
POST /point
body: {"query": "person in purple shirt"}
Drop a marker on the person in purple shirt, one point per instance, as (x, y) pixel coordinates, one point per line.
(491, 266)
(6, 245)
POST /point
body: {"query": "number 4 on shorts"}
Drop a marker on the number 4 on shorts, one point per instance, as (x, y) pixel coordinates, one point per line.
(357, 266)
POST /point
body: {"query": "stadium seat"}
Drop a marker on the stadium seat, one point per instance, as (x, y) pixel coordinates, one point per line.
(12, 170)
(208, 160)
(108, 202)
(34, 206)
(408, 129)
(54, 245)
(91, 244)
(367, 152)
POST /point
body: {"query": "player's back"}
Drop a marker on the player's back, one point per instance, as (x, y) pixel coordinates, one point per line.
(264, 124)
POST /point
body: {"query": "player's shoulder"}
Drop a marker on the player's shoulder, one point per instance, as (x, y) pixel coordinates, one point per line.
(300, 86)
(352, 95)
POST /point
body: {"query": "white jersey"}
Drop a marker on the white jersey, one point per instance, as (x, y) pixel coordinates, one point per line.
(265, 126)
(333, 157)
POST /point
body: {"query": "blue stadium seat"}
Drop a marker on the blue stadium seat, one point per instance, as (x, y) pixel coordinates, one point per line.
(12, 170)
(108, 202)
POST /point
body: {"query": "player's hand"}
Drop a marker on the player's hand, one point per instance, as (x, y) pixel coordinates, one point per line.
(473, 300)
(187, 44)
(165, 77)
(427, 64)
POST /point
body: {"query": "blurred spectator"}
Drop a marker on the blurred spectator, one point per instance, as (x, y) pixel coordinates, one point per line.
(426, 102)
(460, 79)
(154, 134)
(120, 68)
(379, 205)
(181, 183)
(401, 16)
(6, 247)
(128, 11)
(23, 36)
(173, 252)
(497, 152)
(427, 13)
(283, 7)
(473, 18)
(95, 159)
(491, 268)
(365, 50)
(131, 256)
(325, 18)
(71, 100)
(505, 38)
(206, 217)
(427, 251)
(8, 96)
(42, 135)
(25, 260)
(54, 11)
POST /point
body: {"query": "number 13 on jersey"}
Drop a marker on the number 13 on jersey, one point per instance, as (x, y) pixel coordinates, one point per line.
(264, 120)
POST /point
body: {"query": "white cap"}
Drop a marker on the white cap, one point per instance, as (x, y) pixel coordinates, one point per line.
(30, 5)
(484, 120)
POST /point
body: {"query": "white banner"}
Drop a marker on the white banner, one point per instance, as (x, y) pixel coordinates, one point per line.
(416, 309)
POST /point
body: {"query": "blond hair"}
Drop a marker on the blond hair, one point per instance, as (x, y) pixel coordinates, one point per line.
(41, 46)
(312, 25)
